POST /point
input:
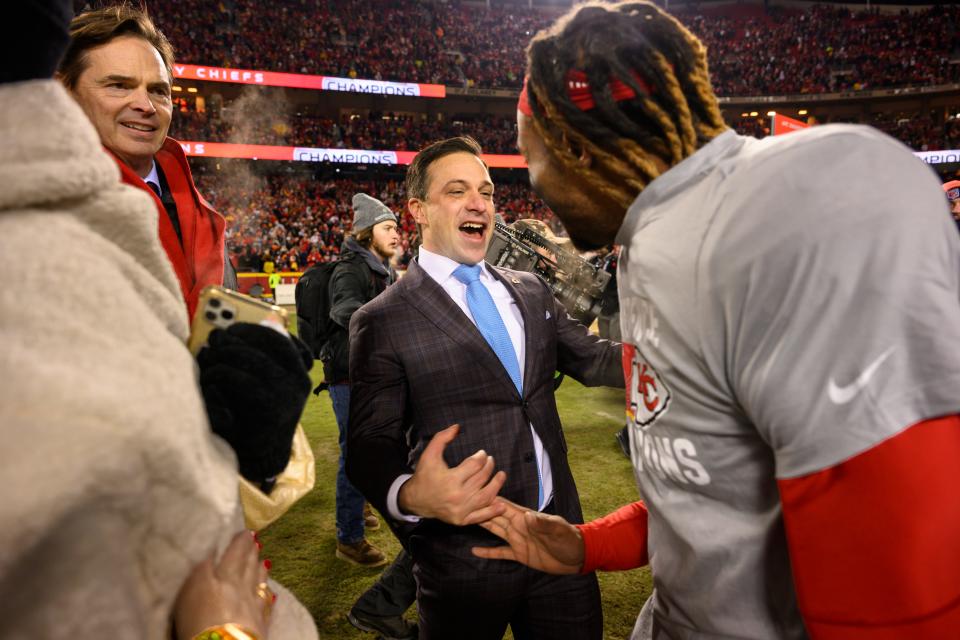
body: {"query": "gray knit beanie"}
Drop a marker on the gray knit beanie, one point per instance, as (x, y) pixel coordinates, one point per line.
(368, 211)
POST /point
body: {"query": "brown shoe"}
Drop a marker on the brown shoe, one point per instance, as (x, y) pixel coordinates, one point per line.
(370, 521)
(362, 553)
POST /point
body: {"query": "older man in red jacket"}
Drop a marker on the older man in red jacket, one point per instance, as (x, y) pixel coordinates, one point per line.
(119, 68)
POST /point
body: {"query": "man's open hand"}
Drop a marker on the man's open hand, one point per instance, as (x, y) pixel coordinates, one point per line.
(462, 495)
(540, 541)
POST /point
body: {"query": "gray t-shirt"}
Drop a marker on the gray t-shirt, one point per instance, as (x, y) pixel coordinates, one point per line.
(793, 302)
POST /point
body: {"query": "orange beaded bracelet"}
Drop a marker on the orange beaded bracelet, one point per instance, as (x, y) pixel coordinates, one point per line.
(228, 631)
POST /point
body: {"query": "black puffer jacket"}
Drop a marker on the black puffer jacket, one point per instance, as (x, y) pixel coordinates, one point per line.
(357, 279)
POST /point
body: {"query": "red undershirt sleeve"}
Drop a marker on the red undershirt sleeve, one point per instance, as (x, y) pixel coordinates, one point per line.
(617, 541)
(875, 541)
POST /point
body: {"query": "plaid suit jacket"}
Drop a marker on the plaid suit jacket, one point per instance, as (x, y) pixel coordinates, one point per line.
(418, 365)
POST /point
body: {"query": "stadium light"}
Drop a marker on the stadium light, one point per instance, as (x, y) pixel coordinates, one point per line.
(754, 114)
(192, 89)
(802, 112)
(744, 114)
(177, 88)
(771, 113)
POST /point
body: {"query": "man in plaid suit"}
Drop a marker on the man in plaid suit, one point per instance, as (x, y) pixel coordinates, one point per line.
(453, 402)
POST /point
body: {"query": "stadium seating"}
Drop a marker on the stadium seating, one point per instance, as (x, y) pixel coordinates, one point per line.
(293, 222)
(382, 131)
(752, 53)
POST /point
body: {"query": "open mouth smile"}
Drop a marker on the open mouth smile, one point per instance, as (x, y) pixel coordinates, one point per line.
(143, 128)
(473, 230)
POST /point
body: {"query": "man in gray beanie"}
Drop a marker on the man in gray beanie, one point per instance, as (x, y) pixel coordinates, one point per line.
(361, 274)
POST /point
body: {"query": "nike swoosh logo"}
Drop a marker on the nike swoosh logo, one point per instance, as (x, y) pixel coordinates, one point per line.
(842, 395)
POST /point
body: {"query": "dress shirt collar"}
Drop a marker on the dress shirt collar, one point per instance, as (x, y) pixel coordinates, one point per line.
(154, 178)
(441, 268)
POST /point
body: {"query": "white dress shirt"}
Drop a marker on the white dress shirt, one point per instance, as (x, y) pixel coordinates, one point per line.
(154, 178)
(441, 269)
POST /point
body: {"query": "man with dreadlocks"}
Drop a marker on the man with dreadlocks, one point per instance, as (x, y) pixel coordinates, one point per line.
(794, 375)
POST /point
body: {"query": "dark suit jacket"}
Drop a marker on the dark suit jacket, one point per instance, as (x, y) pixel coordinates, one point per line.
(419, 365)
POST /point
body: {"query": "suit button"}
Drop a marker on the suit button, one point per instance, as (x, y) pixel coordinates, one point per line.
(528, 457)
(523, 403)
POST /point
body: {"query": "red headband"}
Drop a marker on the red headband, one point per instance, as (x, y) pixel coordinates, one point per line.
(578, 89)
(952, 189)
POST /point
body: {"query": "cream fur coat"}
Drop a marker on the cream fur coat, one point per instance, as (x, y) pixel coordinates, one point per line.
(112, 485)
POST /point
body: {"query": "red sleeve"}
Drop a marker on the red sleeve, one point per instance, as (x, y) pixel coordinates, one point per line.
(875, 541)
(616, 541)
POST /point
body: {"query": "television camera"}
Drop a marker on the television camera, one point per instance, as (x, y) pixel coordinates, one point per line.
(578, 284)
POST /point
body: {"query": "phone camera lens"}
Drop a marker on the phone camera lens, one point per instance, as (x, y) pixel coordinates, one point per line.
(210, 315)
(226, 314)
(214, 303)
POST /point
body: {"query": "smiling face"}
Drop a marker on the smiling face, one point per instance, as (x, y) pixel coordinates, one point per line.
(125, 92)
(456, 216)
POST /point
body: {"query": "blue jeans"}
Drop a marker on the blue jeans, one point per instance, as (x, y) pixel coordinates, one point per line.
(349, 500)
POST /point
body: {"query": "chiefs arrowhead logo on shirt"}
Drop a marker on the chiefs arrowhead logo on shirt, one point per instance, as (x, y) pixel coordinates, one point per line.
(647, 394)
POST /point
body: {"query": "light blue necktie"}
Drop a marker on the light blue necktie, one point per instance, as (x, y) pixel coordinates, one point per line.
(491, 327)
(488, 320)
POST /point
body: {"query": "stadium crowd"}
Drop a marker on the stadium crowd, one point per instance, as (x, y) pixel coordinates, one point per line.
(374, 131)
(752, 52)
(292, 224)
(923, 132)
(287, 223)
(829, 49)
(388, 131)
(919, 131)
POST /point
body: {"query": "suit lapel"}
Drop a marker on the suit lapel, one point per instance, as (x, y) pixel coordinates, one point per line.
(430, 300)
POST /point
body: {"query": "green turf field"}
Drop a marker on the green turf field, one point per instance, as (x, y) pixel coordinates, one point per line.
(301, 544)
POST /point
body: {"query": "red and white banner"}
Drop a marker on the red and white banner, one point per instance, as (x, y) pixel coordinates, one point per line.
(303, 81)
(363, 156)
(336, 156)
(780, 124)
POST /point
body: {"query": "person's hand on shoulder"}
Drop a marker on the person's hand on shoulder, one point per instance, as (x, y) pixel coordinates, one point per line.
(255, 384)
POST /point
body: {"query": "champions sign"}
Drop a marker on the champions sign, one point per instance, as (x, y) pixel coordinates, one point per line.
(363, 156)
(303, 81)
(334, 156)
(350, 156)
(951, 156)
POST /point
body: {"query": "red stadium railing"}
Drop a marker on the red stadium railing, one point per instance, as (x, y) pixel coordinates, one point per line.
(336, 156)
(400, 158)
(306, 81)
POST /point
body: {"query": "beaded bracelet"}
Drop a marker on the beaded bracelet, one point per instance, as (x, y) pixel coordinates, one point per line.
(227, 631)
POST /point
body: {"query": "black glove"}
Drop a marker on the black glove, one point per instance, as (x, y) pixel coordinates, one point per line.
(255, 384)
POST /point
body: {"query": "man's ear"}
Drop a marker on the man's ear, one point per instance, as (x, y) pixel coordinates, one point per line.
(415, 207)
(584, 159)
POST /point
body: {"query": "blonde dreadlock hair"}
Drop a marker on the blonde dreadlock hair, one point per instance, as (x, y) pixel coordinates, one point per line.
(668, 120)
